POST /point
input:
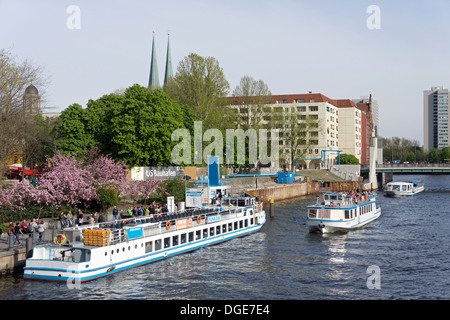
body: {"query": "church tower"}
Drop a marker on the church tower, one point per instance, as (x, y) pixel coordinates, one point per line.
(31, 100)
(153, 81)
(168, 73)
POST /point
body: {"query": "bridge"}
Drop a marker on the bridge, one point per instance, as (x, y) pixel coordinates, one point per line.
(410, 168)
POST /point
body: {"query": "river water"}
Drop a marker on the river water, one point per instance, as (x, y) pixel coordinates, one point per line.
(402, 255)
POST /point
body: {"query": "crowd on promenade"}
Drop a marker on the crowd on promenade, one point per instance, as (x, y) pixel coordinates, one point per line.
(15, 230)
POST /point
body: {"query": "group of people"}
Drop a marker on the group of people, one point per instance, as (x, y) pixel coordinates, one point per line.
(357, 196)
(68, 219)
(16, 229)
(138, 211)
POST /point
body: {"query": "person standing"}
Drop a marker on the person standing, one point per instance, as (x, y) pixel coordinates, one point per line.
(80, 217)
(17, 232)
(41, 230)
(115, 213)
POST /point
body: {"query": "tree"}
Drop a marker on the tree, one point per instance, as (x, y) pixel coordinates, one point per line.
(70, 132)
(15, 125)
(253, 95)
(433, 156)
(445, 154)
(201, 84)
(348, 159)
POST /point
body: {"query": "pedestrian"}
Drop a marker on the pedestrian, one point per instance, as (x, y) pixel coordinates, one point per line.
(41, 230)
(24, 226)
(70, 218)
(17, 233)
(33, 226)
(10, 232)
(63, 220)
(80, 217)
(115, 213)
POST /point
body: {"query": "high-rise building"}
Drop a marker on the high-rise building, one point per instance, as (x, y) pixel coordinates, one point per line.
(435, 118)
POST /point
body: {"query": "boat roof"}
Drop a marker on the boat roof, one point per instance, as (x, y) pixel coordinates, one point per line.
(401, 182)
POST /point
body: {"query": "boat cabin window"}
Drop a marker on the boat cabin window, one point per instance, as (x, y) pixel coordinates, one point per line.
(174, 240)
(148, 246)
(230, 227)
(166, 242)
(312, 213)
(198, 235)
(191, 236)
(183, 238)
(218, 230)
(211, 231)
(224, 228)
(205, 233)
(157, 244)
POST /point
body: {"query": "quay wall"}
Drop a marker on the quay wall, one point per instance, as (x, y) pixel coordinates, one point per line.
(284, 191)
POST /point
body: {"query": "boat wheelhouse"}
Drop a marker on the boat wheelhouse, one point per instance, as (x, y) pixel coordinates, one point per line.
(87, 252)
(342, 212)
(401, 189)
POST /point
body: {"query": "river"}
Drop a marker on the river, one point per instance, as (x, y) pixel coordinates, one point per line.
(402, 255)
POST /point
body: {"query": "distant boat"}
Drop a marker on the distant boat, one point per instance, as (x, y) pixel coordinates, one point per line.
(402, 189)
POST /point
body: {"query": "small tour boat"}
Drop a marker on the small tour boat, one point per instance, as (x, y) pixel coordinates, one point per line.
(401, 189)
(87, 252)
(342, 212)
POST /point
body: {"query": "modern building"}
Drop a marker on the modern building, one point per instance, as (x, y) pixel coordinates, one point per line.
(435, 118)
(318, 145)
(342, 126)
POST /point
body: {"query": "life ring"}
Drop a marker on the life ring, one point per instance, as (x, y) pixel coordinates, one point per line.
(199, 219)
(59, 239)
(159, 215)
(260, 207)
(168, 225)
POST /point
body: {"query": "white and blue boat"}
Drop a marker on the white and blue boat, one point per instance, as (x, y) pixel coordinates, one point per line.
(340, 212)
(402, 189)
(87, 252)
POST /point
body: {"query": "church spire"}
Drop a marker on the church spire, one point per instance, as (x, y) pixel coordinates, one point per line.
(153, 81)
(168, 73)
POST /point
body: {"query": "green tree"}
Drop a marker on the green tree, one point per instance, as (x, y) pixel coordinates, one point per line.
(433, 156)
(70, 132)
(201, 84)
(349, 159)
(445, 154)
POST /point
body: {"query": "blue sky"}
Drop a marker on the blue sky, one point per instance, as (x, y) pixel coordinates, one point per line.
(294, 46)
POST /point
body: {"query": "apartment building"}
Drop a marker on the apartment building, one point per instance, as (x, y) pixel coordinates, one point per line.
(435, 118)
(323, 136)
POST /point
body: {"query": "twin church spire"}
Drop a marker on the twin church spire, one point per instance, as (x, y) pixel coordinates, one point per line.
(153, 80)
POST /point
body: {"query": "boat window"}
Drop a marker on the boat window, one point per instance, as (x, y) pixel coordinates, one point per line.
(157, 244)
(197, 235)
(251, 221)
(205, 233)
(240, 224)
(246, 223)
(191, 236)
(148, 246)
(404, 188)
(312, 213)
(235, 225)
(211, 231)
(166, 242)
(224, 228)
(174, 240)
(230, 227)
(347, 214)
(183, 238)
(218, 230)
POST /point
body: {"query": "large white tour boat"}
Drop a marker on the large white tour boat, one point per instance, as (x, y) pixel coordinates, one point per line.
(401, 189)
(88, 252)
(342, 212)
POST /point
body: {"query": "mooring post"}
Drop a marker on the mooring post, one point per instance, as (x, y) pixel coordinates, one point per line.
(271, 208)
(29, 247)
